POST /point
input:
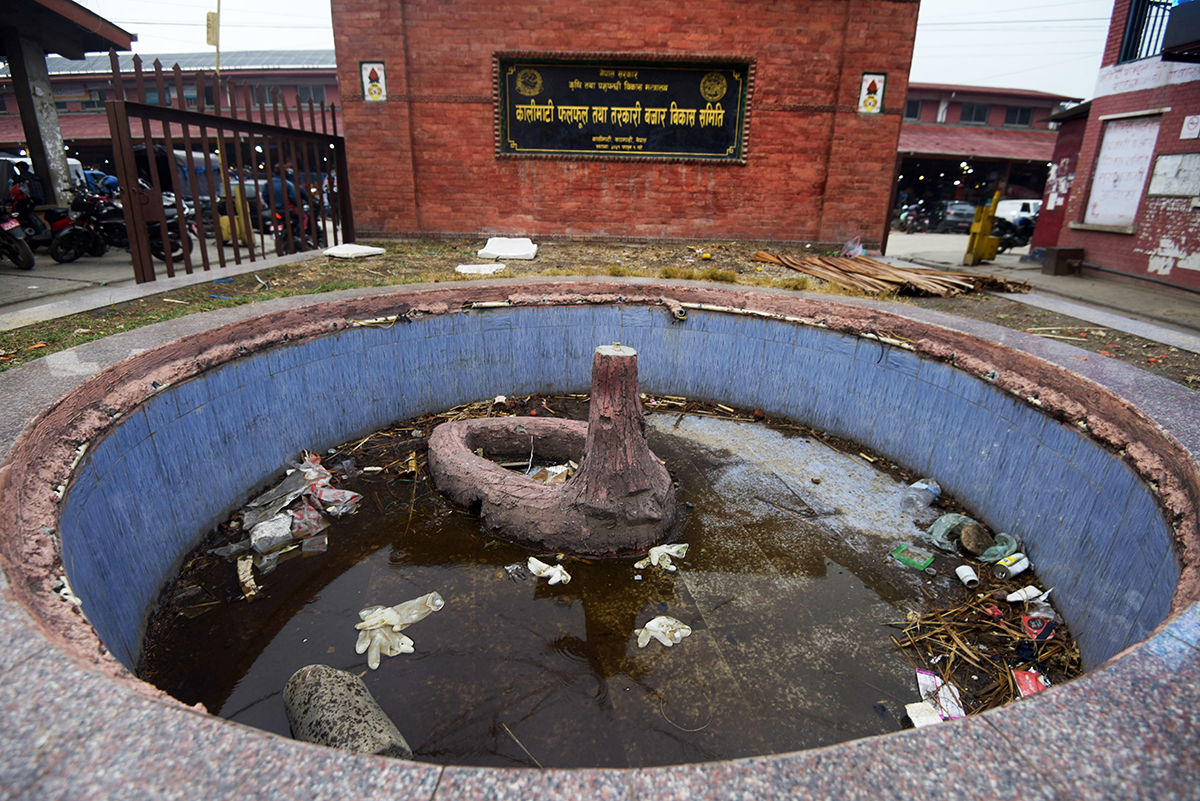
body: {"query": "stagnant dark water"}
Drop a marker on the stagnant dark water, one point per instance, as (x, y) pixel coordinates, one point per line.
(785, 592)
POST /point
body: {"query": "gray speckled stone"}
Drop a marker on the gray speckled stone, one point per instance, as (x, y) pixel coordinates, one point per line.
(331, 707)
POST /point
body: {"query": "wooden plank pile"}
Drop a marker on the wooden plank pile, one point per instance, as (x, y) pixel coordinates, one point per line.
(874, 277)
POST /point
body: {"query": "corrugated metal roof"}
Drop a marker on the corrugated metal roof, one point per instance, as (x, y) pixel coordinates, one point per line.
(98, 64)
(946, 88)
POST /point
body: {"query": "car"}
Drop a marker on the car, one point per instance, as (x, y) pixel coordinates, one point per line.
(957, 218)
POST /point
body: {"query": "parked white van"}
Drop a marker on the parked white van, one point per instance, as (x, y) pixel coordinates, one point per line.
(1012, 209)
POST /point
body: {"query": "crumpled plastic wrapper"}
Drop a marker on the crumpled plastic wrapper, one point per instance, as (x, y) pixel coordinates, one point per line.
(556, 574)
(661, 555)
(379, 631)
(666, 630)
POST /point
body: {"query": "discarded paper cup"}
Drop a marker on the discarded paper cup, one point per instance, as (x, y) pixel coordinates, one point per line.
(1024, 594)
(1010, 566)
(966, 574)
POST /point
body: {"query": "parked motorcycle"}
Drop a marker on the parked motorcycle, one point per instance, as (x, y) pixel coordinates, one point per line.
(100, 224)
(288, 238)
(38, 232)
(12, 241)
(1013, 234)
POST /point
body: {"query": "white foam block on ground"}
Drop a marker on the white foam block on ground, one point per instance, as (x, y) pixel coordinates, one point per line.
(501, 247)
(479, 269)
(353, 251)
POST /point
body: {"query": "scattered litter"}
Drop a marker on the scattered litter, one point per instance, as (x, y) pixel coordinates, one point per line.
(1037, 627)
(379, 631)
(1029, 682)
(232, 549)
(966, 574)
(479, 269)
(271, 532)
(852, 249)
(913, 557)
(666, 630)
(246, 577)
(348, 251)
(502, 247)
(556, 574)
(222, 280)
(976, 539)
(172, 300)
(517, 572)
(919, 495)
(63, 588)
(1030, 593)
(922, 713)
(317, 544)
(1010, 566)
(220, 297)
(1006, 545)
(661, 556)
(941, 695)
(554, 474)
(944, 527)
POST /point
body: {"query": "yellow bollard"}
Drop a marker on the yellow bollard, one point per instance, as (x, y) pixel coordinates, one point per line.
(982, 246)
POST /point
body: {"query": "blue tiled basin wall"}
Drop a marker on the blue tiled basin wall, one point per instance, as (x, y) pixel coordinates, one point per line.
(168, 472)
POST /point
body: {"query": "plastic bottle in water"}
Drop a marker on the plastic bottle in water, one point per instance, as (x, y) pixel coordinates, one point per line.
(920, 495)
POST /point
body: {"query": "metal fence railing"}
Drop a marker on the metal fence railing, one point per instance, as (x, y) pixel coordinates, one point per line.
(237, 186)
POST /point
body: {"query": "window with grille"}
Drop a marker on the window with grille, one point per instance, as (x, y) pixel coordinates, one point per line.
(314, 93)
(1145, 27)
(912, 110)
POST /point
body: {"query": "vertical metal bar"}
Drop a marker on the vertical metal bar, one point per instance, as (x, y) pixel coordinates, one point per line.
(193, 176)
(302, 191)
(118, 125)
(275, 103)
(324, 127)
(335, 180)
(180, 217)
(345, 209)
(312, 119)
(270, 180)
(223, 150)
(262, 105)
(289, 164)
(258, 195)
(212, 187)
(242, 212)
(154, 201)
(118, 82)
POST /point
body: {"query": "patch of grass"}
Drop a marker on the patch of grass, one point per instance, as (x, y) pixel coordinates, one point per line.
(617, 271)
(797, 283)
(718, 275)
(680, 273)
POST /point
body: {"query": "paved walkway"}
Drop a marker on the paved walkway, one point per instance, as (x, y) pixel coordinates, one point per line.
(1155, 312)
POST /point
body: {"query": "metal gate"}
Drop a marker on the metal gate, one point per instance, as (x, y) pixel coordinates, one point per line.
(219, 166)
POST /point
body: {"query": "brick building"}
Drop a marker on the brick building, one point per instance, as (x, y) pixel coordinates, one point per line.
(510, 118)
(1134, 207)
(81, 86)
(965, 142)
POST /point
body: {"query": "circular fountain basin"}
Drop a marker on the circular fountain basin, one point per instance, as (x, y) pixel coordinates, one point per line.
(179, 436)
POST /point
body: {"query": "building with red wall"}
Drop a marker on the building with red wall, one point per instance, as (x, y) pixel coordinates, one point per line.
(427, 156)
(1135, 204)
(965, 142)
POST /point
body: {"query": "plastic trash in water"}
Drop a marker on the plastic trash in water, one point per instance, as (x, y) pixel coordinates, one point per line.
(1030, 593)
(919, 495)
(379, 631)
(517, 572)
(966, 574)
(666, 630)
(661, 555)
(271, 532)
(913, 557)
(557, 574)
(922, 713)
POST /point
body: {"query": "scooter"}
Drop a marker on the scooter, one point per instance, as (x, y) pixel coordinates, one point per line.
(38, 232)
(101, 224)
(12, 241)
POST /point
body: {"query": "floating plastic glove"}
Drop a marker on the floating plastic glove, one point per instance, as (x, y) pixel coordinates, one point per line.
(556, 574)
(660, 556)
(382, 641)
(379, 631)
(1006, 545)
(666, 630)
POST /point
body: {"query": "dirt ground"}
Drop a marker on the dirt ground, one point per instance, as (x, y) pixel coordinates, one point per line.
(434, 260)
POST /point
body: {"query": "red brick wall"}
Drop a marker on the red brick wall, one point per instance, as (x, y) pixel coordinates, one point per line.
(424, 161)
(1159, 220)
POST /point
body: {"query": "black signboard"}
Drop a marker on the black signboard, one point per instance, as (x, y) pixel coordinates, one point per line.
(622, 108)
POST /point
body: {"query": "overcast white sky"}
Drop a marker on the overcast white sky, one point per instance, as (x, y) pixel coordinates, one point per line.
(1025, 44)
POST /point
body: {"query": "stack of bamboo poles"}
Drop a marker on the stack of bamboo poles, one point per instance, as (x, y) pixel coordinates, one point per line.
(874, 277)
(977, 652)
